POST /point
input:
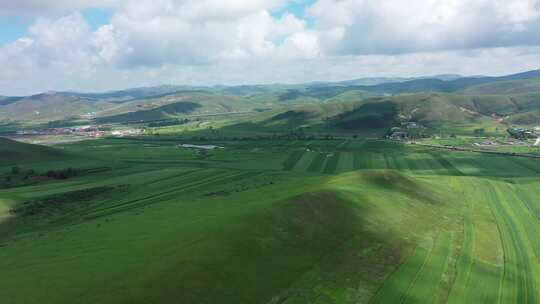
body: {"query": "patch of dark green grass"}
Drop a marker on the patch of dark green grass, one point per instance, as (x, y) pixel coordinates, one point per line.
(369, 116)
(293, 158)
(331, 163)
(317, 163)
(395, 181)
(13, 152)
(63, 203)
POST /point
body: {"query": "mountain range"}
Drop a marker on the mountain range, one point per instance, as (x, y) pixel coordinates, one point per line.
(516, 97)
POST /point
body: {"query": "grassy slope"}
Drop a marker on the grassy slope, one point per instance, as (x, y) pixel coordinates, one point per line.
(178, 228)
(330, 109)
(13, 152)
(375, 116)
(49, 107)
(506, 87)
(209, 101)
(45, 108)
(163, 112)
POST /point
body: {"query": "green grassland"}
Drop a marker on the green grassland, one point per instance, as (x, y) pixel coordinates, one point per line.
(269, 221)
(506, 87)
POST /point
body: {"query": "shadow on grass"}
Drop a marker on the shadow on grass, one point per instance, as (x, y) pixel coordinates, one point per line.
(281, 253)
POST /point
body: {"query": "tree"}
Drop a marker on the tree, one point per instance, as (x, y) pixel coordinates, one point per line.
(479, 132)
(15, 170)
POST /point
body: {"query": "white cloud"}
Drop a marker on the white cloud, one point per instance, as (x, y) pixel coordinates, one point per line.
(61, 41)
(183, 32)
(240, 41)
(45, 7)
(392, 27)
(303, 45)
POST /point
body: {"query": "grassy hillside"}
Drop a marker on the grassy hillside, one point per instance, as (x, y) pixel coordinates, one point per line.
(274, 222)
(438, 85)
(47, 107)
(451, 110)
(506, 87)
(527, 118)
(4, 101)
(63, 106)
(13, 152)
(132, 94)
(379, 114)
(373, 115)
(163, 112)
(439, 113)
(59, 107)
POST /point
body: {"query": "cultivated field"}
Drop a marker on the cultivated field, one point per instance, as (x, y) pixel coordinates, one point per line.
(268, 221)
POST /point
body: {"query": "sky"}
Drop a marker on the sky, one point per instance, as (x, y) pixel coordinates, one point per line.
(91, 45)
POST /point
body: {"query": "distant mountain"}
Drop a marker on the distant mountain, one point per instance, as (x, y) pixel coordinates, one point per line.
(446, 77)
(163, 112)
(45, 107)
(521, 86)
(130, 94)
(4, 101)
(381, 80)
(148, 103)
(438, 85)
(323, 90)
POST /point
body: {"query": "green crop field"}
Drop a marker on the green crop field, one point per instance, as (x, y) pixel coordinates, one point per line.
(266, 221)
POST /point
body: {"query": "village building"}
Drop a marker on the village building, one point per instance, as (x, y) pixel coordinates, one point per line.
(521, 133)
(399, 135)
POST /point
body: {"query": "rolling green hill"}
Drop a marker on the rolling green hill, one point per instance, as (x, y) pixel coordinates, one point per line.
(119, 105)
(458, 113)
(14, 152)
(163, 112)
(4, 101)
(530, 118)
(47, 107)
(438, 109)
(371, 115)
(506, 87)
(438, 85)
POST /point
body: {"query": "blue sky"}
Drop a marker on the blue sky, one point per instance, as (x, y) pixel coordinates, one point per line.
(297, 8)
(97, 17)
(13, 27)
